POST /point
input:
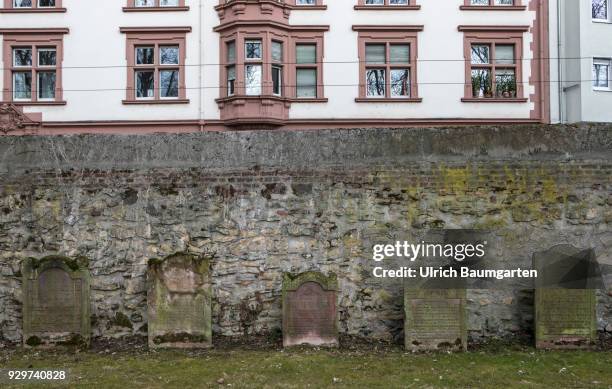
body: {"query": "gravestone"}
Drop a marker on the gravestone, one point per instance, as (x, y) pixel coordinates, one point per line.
(565, 304)
(56, 306)
(309, 309)
(179, 302)
(435, 319)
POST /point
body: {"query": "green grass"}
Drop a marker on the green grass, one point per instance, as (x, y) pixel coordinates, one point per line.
(309, 368)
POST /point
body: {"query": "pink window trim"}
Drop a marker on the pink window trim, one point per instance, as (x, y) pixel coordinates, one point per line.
(517, 6)
(389, 35)
(318, 5)
(361, 6)
(290, 39)
(50, 38)
(155, 36)
(131, 7)
(493, 35)
(8, 7)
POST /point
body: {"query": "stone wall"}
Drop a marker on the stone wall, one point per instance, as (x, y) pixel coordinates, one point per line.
(265, 203)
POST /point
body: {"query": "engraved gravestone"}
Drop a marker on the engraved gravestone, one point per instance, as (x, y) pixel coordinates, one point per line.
(435, 319)
(56, 305)
(179, 302)
(565, 302)
(309, 309)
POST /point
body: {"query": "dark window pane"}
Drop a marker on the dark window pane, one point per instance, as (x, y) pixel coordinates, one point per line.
(168, 81)
(375, 82)
(46, 85)
(169, 55)
(231, 52)
(277, 75)
(22, 56)
(46, 3)
(481, 83)
(252, 49)
(47, 57)
(22, 85)
(600, 9)
(145, 55)
(480, 54)
(145, 84)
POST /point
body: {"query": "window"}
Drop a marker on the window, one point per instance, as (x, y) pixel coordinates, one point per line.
(504, 5)
(231, 68)
(151, 75)
(253, 70)
(493, 71)
(600, 10)
(33, 74)
(306, 70)
(387, 63)
(34, 63)
(277, 68)
(307, 4)
(155, 5)
(33, 3)
(32, 6)
(387, 5)
(493, 64)
(495, 3)
(601, 74)
(156, 65)
(386, 2)
(273, 63)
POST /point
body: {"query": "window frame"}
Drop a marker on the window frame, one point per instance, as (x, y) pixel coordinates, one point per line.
(289, 40)
(157, 7)
(9, 7)
(607, 61)
(388, 35)
(516, 6)
(36, 39)
(317, 5)
(608, 18)
(387, 6)
(492, 35)
(157, 38)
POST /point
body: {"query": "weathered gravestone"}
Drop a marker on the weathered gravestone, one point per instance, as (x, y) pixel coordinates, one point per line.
(435, 319)
(56, 304)
(565, 302)
(179, 302)
(309, 309)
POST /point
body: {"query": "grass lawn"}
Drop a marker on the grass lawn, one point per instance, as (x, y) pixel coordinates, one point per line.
(310, 368)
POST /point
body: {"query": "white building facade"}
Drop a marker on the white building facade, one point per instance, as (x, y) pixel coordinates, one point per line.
(581, 49)
(193, 65)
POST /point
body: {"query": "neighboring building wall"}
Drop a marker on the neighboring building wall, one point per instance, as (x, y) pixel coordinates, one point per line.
(94, 96)
(583, 41)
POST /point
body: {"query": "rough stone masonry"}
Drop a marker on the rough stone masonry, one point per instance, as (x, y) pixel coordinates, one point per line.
(265, 203)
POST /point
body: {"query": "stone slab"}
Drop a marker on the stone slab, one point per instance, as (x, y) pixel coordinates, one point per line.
(56, 304)
(565, 317)
(310, 310)
(435, 319)
(179, 302)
